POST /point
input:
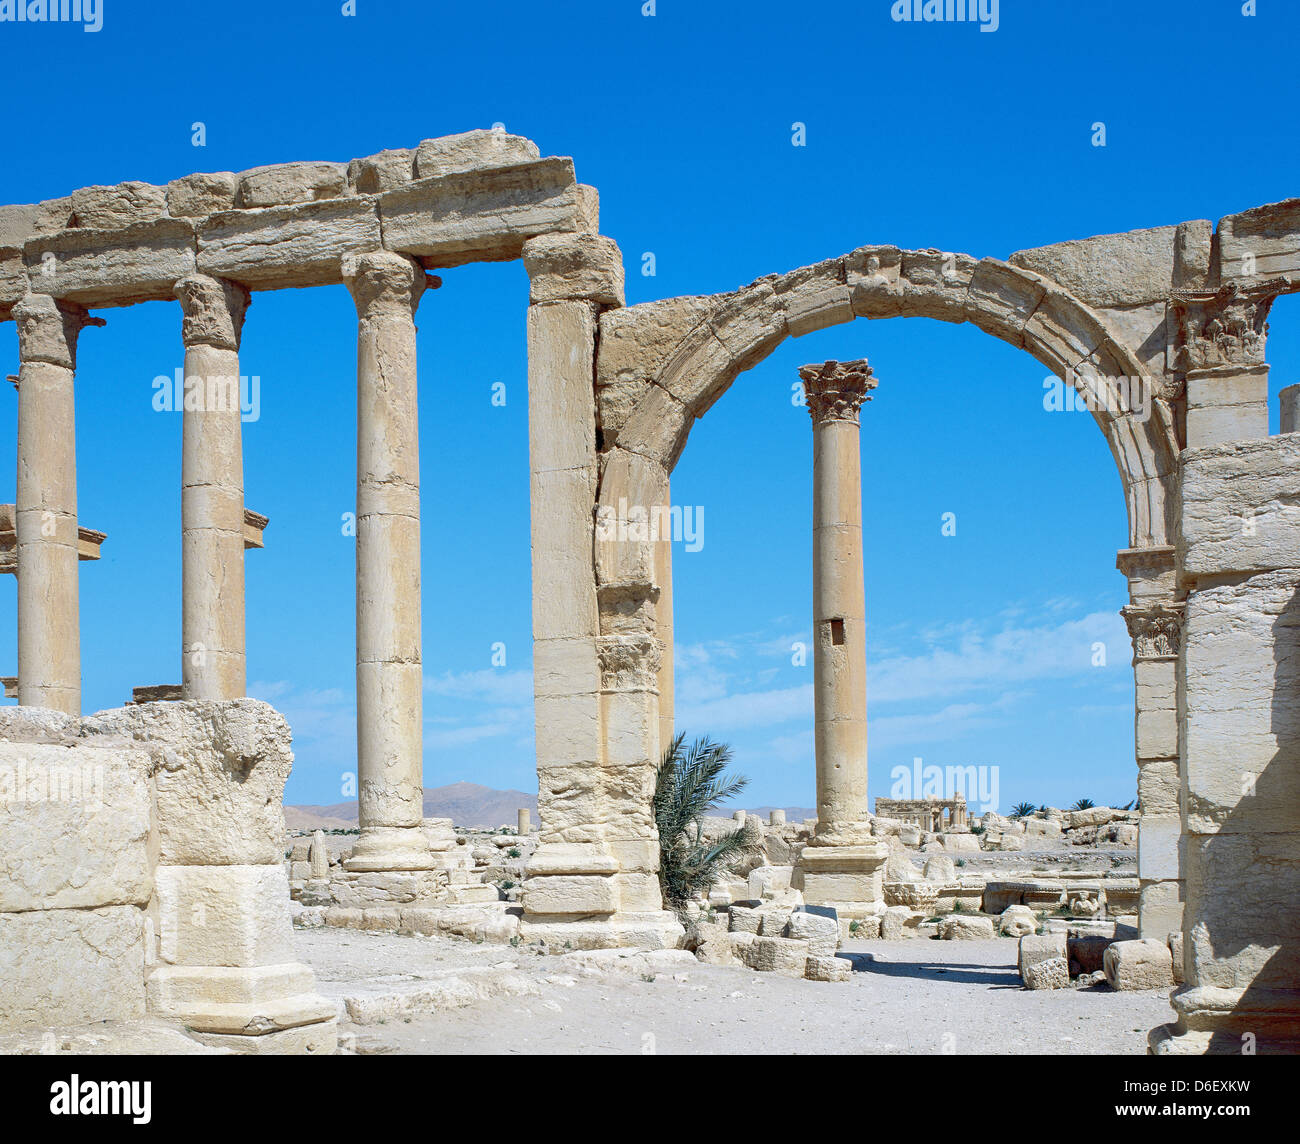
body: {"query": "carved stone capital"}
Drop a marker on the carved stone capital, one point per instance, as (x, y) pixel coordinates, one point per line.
(384, 284)
(629, 662)
(1224, 327)
(836, 390)
(213, 310)
(48, 329)
(1156, 630)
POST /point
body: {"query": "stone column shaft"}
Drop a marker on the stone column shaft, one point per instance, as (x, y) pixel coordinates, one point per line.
(839, 604)
(386, 288)
(214, 664)
(49, 641)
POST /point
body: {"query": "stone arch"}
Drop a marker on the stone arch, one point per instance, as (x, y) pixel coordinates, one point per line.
(740, 329)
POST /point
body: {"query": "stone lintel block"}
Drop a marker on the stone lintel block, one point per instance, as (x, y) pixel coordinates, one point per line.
(71, 967)
(574, 267)
(1263, 241)
(199, 195)
(283, 184)
(123, 205)
(472, 151)
(275, 248)
(224, 915)
(138, 263)
(1239, 510)
(482, 215)
(76, 827)
(570, 894)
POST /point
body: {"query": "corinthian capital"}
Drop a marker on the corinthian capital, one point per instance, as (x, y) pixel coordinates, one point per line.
(1227, 326)
(836, 390)
(48, 329)
(213, 310)
(1156, 630)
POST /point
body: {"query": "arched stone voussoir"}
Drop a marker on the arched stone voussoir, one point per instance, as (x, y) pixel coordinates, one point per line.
(631, 487)
(1002, 298)
(935, 283)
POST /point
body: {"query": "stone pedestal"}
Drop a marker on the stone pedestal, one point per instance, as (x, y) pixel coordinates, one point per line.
(49, 641)
(212, 490)
(386, 289)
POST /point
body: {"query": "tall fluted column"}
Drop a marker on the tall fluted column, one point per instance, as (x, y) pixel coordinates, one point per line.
(386, 288)
(49, 637)
(842, 865)
(212, 490)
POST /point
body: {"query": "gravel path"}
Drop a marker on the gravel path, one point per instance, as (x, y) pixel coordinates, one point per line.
(914, 996)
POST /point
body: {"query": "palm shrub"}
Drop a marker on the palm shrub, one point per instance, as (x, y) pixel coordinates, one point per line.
(690, 782)
(1022, 810)
(1084, 804)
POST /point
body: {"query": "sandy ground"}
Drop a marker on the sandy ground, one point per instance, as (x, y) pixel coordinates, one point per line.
(914, 996)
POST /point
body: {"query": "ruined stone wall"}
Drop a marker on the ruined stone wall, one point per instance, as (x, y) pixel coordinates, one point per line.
(142, 874)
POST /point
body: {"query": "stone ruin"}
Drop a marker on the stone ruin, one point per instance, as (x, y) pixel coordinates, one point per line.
(1161, 332)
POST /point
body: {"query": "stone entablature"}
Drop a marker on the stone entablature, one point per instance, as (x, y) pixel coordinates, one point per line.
(464, 198)
(930, 814)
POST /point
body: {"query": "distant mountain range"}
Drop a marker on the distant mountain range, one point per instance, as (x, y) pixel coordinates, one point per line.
(466, 804)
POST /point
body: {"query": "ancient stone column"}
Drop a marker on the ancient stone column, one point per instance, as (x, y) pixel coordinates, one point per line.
(49, 641)
(386, 288)
(212, 490)
(664, 624)
(835, 393)
(842, 865)
(1155, 618)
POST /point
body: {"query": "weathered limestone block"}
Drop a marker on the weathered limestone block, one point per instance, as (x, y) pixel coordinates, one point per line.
(1050, 973)
(69, 967)
(288, 246)
(963, 927)
(139, 263)
(570, 894)
(199, 195)
(768, 881)
(283, 184)
(481, 215)
(1262, 241)
(381, 172)
(221, 770)
(111, 208)
(821, 933)
(13, 276)
(572, 267)
(1017, 921)
(893, 922)
(470, 151)
(780, 955)
(828, 968)
(390, 887)
(1110, 269)
(1175, 943)
(1041, 947)
(1142, 964)
(1240, 511)
(1087, 951)
(961, 843)
(773, 919)
(75, 827)
(934, 284)
(20, 222)
(744, 919)
(224, 915)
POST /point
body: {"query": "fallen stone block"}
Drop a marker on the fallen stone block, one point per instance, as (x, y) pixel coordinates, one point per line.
(1051, 973)
(828, 969)
(778, 955)
(1088, 951)
(822, 934)
(1041, 947)
(1135, 965)
(963, 927)
(1017, 921)
(743, 919)
(893, 923)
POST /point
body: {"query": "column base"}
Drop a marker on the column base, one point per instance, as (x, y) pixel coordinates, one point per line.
(850, 878)
(391, 848)
(1229, 1022)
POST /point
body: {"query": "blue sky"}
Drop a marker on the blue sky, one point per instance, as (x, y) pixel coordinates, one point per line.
(922, 135)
